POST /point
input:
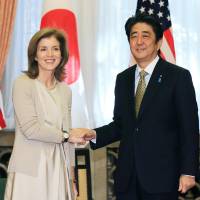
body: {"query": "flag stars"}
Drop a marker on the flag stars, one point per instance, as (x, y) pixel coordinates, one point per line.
(160, 14)
(150, 11)
(152, 1)
(161, 3)
(168, 18)
(142, 9)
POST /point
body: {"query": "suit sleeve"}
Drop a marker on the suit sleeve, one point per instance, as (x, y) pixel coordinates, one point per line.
(187, 113)
(26, 116)
(112, 132)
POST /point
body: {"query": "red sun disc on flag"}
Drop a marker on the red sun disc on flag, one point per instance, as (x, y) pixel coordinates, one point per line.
(65, 20)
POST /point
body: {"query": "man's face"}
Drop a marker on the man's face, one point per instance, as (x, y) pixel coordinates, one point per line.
(143, 43)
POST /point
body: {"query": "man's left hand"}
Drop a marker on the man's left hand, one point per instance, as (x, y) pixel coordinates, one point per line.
(185, 183)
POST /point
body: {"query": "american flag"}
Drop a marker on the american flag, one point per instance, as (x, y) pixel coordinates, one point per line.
(160, 9)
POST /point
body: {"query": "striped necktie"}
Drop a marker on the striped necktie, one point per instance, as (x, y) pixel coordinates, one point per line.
(140, 91)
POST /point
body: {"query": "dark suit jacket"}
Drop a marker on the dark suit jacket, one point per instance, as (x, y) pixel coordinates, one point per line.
(162, 143)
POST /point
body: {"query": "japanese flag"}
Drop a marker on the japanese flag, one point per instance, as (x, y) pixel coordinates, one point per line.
(59, 14)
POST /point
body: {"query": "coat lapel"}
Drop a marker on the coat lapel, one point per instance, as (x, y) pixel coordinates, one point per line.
(66, 114)
(131, 90)
(153, 87)
(63, 101)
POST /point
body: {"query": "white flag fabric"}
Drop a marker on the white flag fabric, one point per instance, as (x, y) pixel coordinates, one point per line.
(59, 14)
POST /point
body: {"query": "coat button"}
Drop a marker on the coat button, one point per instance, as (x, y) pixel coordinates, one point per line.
(137, 129)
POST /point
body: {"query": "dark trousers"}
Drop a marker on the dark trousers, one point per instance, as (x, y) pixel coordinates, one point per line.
(137, 192)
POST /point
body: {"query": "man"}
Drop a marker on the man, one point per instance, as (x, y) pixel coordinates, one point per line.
(155, 119)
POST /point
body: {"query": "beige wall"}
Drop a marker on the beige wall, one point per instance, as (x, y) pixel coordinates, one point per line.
(98, 172)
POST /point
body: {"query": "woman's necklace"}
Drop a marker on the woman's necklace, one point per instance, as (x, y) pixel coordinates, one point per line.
(51, 87)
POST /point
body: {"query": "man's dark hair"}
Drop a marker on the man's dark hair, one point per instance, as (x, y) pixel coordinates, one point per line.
(144, 18)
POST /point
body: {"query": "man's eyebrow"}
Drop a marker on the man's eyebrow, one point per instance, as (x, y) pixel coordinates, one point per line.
(134, 32)
(146, 32)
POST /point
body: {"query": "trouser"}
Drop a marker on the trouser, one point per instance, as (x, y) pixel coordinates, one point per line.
(137, 192)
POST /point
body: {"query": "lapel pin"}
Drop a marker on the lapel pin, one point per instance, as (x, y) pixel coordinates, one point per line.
(160, 79)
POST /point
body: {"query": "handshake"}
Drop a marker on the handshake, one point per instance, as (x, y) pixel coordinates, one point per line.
(81, 135)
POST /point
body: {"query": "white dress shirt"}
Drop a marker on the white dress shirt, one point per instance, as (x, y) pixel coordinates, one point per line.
(149, 69)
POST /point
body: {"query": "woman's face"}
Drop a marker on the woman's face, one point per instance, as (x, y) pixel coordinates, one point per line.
(48, 54)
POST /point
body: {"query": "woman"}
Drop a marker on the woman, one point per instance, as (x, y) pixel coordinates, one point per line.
(42, 162)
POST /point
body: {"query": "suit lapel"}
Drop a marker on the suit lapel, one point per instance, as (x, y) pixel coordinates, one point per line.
(131, 90)
(153, 87)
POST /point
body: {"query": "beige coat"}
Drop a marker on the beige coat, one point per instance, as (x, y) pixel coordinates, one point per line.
(32, 130)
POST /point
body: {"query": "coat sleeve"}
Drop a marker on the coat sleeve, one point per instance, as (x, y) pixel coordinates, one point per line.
(70, 148)
(26, 116)
(188, 122)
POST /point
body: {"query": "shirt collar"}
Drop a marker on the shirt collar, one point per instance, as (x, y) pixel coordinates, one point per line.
(149, 68)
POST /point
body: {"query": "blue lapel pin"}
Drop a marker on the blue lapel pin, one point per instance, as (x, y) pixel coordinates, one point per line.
(160, 79)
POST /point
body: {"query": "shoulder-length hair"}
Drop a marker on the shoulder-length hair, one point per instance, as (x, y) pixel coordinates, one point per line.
(33, 70)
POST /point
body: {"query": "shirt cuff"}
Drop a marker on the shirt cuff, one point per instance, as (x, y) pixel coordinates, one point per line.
(95, 139)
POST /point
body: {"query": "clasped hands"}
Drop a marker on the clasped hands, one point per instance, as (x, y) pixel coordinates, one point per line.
(81, 135)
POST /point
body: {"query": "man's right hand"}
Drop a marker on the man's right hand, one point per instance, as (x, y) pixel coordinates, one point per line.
(81, 135)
